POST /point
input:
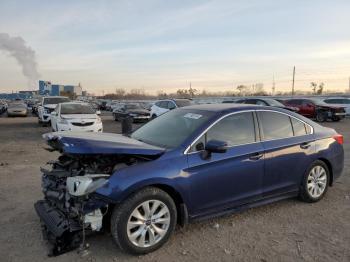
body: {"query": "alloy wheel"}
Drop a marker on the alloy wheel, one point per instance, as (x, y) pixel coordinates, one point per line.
(317, 181)
(148, 223)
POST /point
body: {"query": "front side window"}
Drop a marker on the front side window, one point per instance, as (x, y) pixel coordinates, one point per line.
(237, 129)
(163, 104)
(296, 102)
(275, 125)
(171, 105)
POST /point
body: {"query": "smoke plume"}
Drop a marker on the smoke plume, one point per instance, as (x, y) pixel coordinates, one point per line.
(25, 56)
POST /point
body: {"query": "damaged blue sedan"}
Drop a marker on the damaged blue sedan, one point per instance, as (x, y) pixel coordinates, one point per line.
(191, 163)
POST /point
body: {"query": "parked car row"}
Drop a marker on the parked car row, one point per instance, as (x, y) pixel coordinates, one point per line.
(3, 106)
(17, 108)
(317, 109)
(320, 109)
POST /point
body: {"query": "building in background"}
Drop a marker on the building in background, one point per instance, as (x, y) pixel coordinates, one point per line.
(46, 88)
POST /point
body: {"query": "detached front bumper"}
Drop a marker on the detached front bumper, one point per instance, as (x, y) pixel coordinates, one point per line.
(62, 233)
(65, 231)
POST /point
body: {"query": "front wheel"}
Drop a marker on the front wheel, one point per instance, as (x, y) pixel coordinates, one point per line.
(144, 222)
(315, 182)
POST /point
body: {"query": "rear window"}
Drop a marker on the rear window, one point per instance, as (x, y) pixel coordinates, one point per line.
(182, 103)
(275, 125)
(55, 100)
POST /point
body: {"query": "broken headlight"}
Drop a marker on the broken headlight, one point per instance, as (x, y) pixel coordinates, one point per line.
(84, 185)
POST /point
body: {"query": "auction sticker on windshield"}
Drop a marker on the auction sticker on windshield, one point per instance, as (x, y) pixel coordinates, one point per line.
(193, 116)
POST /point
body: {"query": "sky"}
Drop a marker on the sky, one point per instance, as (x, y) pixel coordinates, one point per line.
(164, 45)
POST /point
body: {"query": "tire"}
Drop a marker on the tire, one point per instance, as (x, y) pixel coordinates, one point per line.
(321, 117)
(335, 118)
(123, 217)
(153, 116)
(307, 190)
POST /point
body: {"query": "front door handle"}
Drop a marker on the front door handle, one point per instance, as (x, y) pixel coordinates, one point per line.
(305, 145)
(256, 156)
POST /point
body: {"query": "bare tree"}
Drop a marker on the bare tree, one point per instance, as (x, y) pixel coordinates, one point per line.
(313, 86)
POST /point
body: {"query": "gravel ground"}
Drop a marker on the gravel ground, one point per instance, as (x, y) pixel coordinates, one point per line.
(289, 230)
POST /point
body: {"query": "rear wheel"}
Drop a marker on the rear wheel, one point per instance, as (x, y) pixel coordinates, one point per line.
(335, 118)
(321, 116)
(315, 182)
(144, 222)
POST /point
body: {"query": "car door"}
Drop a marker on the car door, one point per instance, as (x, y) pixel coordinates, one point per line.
(226, 180)
(308, 108)
(288, 145)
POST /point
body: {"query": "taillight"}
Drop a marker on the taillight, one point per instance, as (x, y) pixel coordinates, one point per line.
(339, 139)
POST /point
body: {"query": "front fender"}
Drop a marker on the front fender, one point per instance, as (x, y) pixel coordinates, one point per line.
(158, 172)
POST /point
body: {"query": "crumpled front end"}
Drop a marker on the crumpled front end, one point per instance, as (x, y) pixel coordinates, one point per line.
(69, 211)
(70, 207)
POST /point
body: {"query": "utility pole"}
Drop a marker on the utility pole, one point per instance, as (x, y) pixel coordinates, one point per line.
(349, 84)
(273, 84)
(293, 81)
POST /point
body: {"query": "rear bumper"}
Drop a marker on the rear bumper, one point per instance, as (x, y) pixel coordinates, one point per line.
(340, 114)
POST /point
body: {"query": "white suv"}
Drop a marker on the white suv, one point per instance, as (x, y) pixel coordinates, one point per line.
(162, 106)
(47, 105)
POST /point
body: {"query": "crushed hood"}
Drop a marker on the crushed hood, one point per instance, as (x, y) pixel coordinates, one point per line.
(99, 143)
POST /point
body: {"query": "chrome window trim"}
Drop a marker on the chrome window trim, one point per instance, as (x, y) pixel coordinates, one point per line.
(245, 111)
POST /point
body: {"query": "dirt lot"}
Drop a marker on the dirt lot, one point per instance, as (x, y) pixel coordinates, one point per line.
(285, 231)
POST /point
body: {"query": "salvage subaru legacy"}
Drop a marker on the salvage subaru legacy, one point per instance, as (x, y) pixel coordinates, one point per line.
(190, 163)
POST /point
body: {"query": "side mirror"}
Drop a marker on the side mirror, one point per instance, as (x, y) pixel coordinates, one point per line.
(53, 113)
(98, 112)
(216, 146)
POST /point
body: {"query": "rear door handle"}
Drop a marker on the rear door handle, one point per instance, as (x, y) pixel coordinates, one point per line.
(305, 145)
(256, 156)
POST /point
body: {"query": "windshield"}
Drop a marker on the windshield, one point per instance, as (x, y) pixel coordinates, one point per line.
(182, 102)
(69, 109)
(55, 100)
(132, 107)
(171, 129)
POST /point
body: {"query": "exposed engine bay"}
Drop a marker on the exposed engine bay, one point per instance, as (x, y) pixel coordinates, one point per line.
(70, 209)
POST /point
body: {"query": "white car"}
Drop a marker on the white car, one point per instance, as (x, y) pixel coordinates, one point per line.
(162, 106)
(47, 105)
(339, 101)
(73, 116)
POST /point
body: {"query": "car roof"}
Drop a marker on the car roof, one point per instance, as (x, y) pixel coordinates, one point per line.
(74, 103)
(223, 107)
(54, 97)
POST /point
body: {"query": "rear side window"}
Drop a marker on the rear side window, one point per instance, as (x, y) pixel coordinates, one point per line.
(299, 127)
(275, 125)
